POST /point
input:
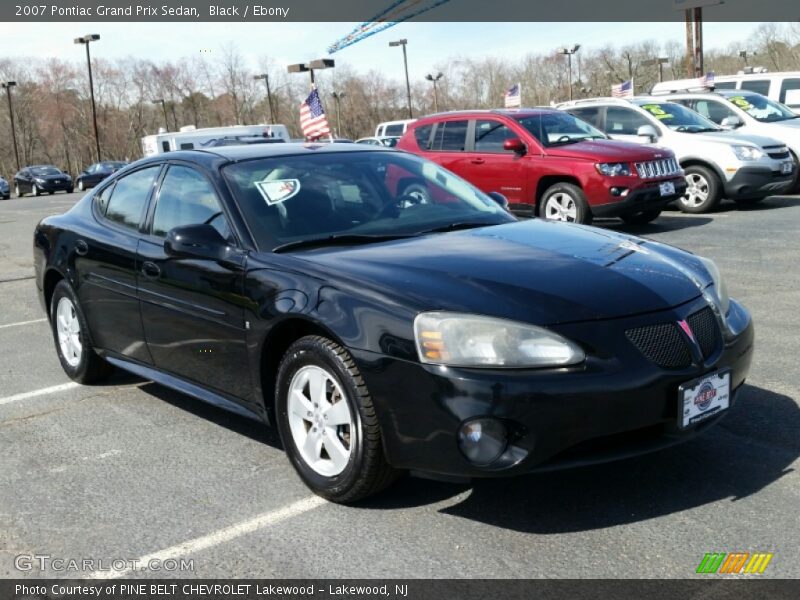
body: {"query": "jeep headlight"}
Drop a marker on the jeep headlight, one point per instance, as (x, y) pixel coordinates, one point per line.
(747, 152)
(613, 169)
(465, 340)
(720, 290)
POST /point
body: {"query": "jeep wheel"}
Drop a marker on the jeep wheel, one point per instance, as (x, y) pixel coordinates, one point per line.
(565, 202)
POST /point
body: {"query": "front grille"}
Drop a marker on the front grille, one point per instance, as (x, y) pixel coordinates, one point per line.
(705, 329)
(663, 344)
(779, 152)
(657, 168)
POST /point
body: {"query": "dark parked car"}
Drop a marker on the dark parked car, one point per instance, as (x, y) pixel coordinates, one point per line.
(97, 172)
(382, 333)
(41, 179)
(5, 189)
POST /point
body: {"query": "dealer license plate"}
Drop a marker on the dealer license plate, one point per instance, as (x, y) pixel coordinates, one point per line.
(787, 167)
(704, 397)
(667, 188)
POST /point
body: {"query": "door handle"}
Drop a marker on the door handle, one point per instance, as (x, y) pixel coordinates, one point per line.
(477, 161)
(81, 248)
(151, 270)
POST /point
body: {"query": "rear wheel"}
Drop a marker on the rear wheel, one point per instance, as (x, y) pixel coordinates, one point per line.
(703, 190)
(17, 191)
(328, 424)
(565, 202)
(81, 187)
(419, 191)
(640, 218)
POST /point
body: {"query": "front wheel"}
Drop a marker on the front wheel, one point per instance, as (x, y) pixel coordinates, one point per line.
(81, 187)
(565, 202)
(703, 190)
(327, 422)
(17, 191)
(71, 334)
(35, 190)
(641, 218)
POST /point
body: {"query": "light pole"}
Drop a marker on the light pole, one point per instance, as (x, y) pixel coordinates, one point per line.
(433, 80)
(86, 40)
(569, 52)
(403, 43)
(7, 85)
(265, 77)
(660, 61)
(314, 65)
(164, 108)
(337, 98)
(743, 54)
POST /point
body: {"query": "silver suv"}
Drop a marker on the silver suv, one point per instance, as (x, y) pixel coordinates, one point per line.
(717, 163)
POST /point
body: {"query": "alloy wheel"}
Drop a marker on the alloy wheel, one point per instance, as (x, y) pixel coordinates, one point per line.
(697, 190)
(69, 332)
(561, 207)
(320, 420)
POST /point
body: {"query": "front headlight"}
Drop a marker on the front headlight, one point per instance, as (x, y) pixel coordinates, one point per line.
(613, 169)
(464, 340)
(39, 180)
(720, 290)
(747, 152)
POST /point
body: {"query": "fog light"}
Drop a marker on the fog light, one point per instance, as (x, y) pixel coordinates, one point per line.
(482, 440)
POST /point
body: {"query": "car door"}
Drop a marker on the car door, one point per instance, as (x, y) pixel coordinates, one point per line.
(192, 308)
(24, 181)
(493, 169)
(449, 145)
(105, 262)
(623, 123)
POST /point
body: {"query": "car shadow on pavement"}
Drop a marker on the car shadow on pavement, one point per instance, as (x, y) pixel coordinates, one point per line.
(660, 225)
(747, 451)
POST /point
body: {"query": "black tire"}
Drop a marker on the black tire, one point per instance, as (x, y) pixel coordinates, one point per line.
(641, 218)
(70, 190)
(419, 191)
(35, 190)
(17, 192)
(707, 181)
(81, 187)
(795, 187)
(583, 214)
(367, 471)
(91, 367)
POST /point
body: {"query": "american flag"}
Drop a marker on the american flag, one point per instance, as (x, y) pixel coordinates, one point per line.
(623, 90)
(513, 97)
(312, 117)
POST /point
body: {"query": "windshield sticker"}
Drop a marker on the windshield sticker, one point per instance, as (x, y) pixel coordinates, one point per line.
(657, 111)
(276, 191)
(740, 102)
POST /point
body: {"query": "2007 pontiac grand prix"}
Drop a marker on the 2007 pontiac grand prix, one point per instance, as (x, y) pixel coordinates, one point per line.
(383, 332)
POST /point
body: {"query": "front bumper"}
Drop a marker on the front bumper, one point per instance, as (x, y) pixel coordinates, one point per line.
(55, 186)
(757, 182)
(645, 197)
(617, 404)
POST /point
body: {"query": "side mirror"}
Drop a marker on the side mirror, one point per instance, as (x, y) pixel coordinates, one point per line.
(649, 132)
(501, 200)
(515, 145)
(196, 241)
(731, 122)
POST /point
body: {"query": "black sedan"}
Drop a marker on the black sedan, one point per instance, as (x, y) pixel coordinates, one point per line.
(384, 333)
(41, 179)
(94, 174)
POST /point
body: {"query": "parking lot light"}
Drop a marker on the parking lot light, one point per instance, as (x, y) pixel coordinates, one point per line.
(164, 108)
(265, 77)
(7, 85)
(314, 65)
(660, 61)
(403, 43)
(568, 52)
(433, 80)
(86, 40)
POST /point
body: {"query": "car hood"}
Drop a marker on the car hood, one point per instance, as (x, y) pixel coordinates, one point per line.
(735, 137)
(57, 177)
(609, 151)
(536, 271)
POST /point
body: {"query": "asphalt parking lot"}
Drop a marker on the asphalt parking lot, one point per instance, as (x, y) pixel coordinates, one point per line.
(129, 469)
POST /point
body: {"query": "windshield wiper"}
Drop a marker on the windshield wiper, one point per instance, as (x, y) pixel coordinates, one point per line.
(339, 239)
(456, 226)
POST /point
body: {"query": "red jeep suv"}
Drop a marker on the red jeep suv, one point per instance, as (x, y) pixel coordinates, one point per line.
(548, 163)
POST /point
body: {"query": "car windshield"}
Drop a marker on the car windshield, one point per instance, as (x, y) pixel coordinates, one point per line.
(678, 117)
(348, 195)
(558, 128)
(46, 170)
(762, 108)
(113, 165)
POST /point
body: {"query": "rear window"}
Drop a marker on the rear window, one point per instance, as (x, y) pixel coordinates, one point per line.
(129, 197)
(450, 136)
(423, 136)
(790, 92)
(393, 129)
(759, 86)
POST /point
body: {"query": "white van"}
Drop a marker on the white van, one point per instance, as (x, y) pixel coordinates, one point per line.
(392, 128)
(190, 138)
(783, 87)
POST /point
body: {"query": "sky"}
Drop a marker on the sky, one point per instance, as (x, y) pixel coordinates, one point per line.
(429, 44)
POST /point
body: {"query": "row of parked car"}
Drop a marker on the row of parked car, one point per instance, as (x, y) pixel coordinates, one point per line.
(48, 179)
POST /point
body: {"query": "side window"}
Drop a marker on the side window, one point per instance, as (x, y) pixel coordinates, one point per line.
(423, 136)
(589, 114)
(724, 85)
(396, 129)
(790, 92)
(451, 136)
(713, 111)
(622, 121)
(165, 146)
(129, 197)
(759, 86)
(187, 146)
(187, 198)
(490, 135)
(101, 198)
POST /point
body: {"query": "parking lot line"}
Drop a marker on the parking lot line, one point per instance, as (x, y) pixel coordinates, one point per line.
(21, 323)
(218, 537)
(40, 392)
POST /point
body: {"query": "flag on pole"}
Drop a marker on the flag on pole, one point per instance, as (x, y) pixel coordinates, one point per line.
(312, 117)
(623, 90)
(513, 96)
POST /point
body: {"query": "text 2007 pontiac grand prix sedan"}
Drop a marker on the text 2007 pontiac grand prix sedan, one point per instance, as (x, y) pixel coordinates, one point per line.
(382, 333)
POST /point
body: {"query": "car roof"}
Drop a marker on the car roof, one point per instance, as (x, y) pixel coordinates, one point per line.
(504, 112)
(255, 151)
